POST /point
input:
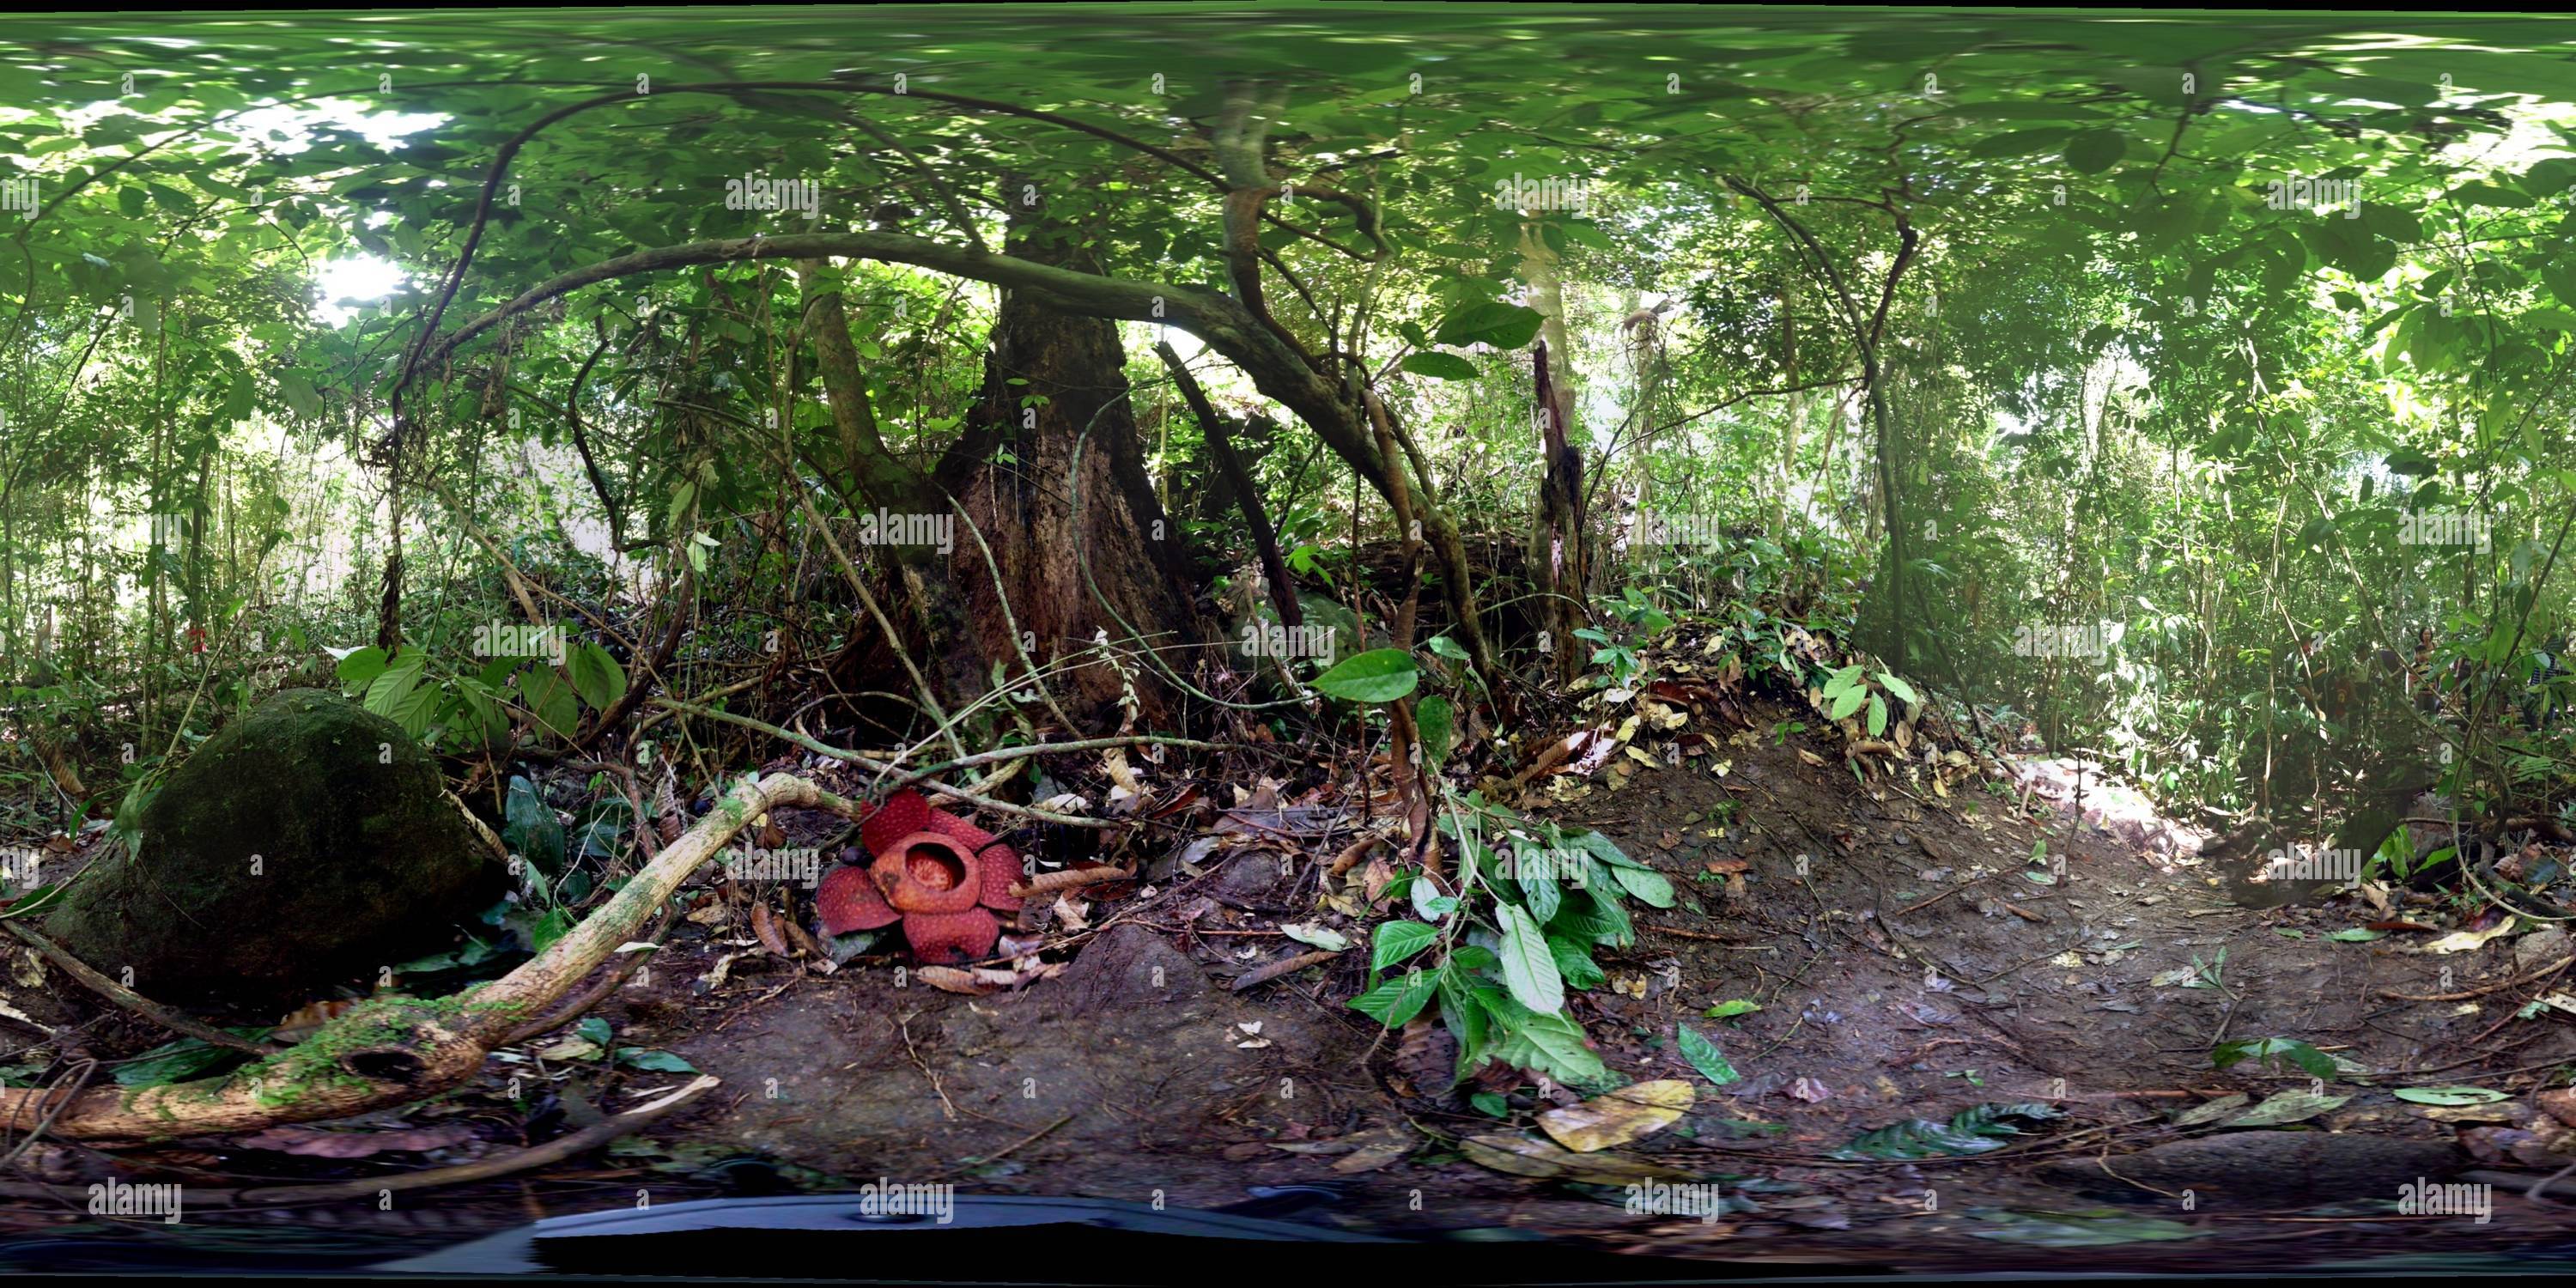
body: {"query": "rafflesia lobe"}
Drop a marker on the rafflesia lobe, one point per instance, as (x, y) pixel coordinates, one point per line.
(936, 873)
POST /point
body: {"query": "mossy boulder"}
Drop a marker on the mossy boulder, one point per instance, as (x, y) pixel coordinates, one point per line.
(308, 842)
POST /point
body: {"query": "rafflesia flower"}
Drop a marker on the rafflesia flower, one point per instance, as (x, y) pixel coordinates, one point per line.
(938, 874)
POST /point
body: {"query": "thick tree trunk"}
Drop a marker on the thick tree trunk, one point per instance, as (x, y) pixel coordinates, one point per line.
(1052, 471)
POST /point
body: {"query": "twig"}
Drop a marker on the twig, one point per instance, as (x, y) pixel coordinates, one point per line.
(903, 1025)
(1031, 1138)
(133, 1001)
(1261, 975)
(1070, 878)
(2483, 989)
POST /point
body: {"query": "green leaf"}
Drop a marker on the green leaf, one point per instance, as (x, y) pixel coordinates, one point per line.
(1439, 366)
(1437, 722)
(1574, 963)
(1504, 326)
(1650, 887)
(359, 669)
(2094, 151)
(2450, 1095)
(1528, 965)
(2287, 1107)
(529, 826)
(1379, 675)
(2290, 1050)
(1900, 688)
(1730, 1009)
(1979, 1130)
(1549, 1044)
(393, 686)
(1848, 701)
(1394, 941)
(1398, 999)
(1877, 715)
(1704, 1056)
(654, 1061)
(1539, 890)
(595, 675)
(549, 698)
(180, 1061)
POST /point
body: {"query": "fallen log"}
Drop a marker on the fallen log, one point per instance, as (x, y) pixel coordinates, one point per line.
(393, 1051)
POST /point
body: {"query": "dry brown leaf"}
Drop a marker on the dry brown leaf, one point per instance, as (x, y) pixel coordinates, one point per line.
(1530, 1156)
(950, 979)
(1630, 1113)
(1377, 1149)
(764, 927)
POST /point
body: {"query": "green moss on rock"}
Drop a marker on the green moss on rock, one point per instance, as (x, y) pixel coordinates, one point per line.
(307, 842)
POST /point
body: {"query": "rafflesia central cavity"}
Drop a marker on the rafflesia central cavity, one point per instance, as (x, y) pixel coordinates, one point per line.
(938, 874)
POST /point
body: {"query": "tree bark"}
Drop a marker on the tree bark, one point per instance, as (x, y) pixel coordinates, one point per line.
(1052, 470)
(1558, 556)
(1325, 403)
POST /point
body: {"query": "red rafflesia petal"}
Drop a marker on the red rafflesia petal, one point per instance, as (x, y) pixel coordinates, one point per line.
(1000, 864)
(903, 814)
(944, 938)
(848, 900)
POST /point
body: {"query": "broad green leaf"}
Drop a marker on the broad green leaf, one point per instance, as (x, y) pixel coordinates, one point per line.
(1442, 366)
(1379, 675)
(595, 675)
(1528, 965)
(1394, 941)
(1704, 1055)
(1436, 721)
(1399, 998)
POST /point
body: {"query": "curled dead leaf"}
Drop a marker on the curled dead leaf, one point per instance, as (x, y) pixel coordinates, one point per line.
(951, 979)
(1531, 1156)
(1628, 1114)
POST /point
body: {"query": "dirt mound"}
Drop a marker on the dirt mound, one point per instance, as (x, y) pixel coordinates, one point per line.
(1131, 1075)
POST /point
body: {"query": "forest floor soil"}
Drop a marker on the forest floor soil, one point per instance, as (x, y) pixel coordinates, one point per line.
(1909, 959)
